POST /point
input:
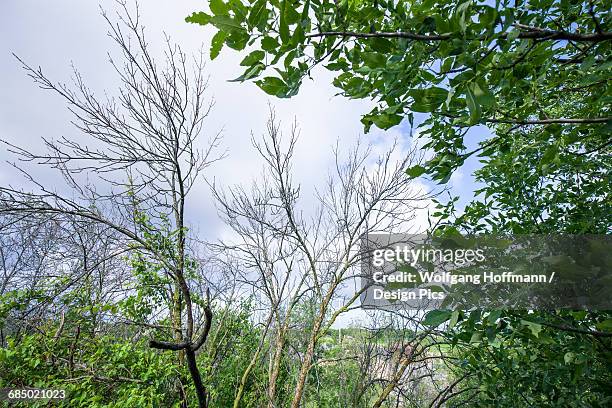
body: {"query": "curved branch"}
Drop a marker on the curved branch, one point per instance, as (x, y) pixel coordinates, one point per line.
(208, 314)
(166, 345)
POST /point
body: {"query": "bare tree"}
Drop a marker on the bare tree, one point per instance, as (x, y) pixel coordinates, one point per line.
(145, 159)
(27, 248)
(312, 260)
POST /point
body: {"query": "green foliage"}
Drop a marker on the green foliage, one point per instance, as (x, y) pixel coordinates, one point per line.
(436, 317)
(18, 299)
(229, 355)
(530, 190)
(464, 63)
(532, 360)
(112, 370)
(108, 372)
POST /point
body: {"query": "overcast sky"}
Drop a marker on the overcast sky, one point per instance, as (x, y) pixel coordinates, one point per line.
(56, 34)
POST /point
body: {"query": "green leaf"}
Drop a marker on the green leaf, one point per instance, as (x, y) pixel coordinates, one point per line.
(374, 59)
(415, 171)
(454, 319)
(513, 35)
(198, 18)
(427, 100)
(283, 29)
(493, 316)
(258, 15)
(385, 120)
(250, 73)
(273, 86)
(436, 317)
(404, 267)
(535, 328)
(225, 23)
(550, 154)
(461, 14)
(473, 107)
(291, 14)
(305, 10)
(254, 57)
(487, 16)
(218, 7)
(269, 44)
(216, 44)
(482, 95)
(606, 325)
(237, 39)
(298, 36)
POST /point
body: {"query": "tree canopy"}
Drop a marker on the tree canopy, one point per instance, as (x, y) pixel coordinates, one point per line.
(540, 66)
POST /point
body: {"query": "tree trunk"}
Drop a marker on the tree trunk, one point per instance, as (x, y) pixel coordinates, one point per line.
(245, 377)
(305, 368)
(314, 337)
(393, 383)
(192, 364)
(275, 366)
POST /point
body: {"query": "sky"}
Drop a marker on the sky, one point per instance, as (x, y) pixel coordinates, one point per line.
(56, 34)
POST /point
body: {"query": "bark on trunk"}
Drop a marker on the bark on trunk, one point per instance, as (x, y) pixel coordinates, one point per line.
(398, 375)
(275, 367)
(307, 363)
(197, 378)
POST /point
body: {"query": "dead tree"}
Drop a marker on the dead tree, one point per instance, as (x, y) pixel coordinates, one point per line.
(141, 160)
(299, 259)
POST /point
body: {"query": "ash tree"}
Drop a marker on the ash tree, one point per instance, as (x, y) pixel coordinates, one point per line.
(303, 259)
